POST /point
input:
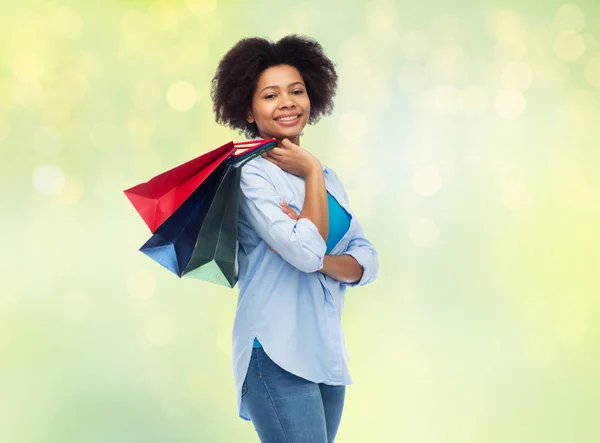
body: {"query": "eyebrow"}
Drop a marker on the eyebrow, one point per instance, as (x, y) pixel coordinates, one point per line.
(277, 87)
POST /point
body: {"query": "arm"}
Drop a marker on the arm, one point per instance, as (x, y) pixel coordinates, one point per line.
(356, 266)
(363, 251)
(297, 242)
(359, 250)
(343, 268)
(315, 201)
(295, 160)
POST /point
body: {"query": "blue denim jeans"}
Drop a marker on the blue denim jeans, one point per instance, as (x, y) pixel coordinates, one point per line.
(286, 408)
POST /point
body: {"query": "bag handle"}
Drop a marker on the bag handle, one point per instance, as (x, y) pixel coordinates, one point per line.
(253, 144)
(246, 157)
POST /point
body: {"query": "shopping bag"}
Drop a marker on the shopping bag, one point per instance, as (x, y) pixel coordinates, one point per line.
(174, 241)
(158, 198)
(214, 255)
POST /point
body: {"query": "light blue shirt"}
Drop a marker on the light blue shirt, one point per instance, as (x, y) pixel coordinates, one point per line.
(339, 223)
(291, 308)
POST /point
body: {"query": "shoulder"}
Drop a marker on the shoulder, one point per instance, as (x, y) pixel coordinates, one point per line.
(259, 168)
(332, 175)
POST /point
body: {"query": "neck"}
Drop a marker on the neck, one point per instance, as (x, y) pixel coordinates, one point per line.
(295, 140)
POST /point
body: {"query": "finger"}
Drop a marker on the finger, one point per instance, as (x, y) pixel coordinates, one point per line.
(289, 211)
(276, 151)
(292, 216)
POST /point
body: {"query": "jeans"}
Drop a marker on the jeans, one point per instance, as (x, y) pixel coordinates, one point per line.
(285, 408)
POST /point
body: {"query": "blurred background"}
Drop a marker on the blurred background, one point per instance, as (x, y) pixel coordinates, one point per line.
(468, 139)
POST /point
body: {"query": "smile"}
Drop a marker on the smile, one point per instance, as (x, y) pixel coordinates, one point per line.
(287, 119)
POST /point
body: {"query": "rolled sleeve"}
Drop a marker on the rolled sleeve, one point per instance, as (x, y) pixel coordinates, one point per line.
(297, 242)
(359, 247)
(365, 254)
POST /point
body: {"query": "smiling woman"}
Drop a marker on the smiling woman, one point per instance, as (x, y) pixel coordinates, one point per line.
(299, 244)
(280, 104)
(254, 64)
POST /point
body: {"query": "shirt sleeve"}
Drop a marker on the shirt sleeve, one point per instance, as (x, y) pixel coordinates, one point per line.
(359, 247)
(297, 242)
(365, 254)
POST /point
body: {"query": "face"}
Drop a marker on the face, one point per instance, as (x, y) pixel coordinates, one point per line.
(280, 104)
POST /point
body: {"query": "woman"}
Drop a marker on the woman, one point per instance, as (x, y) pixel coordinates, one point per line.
(299, 244)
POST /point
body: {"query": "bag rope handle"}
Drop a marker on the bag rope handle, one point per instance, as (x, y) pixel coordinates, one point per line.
(253, 144)
(246, 158)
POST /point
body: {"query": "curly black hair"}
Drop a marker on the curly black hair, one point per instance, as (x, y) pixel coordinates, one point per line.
(237, 75)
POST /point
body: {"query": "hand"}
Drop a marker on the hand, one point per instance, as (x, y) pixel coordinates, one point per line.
(293, 159)
(290, 212)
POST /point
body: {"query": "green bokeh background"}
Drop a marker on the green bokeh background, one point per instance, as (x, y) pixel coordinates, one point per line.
(467, 136)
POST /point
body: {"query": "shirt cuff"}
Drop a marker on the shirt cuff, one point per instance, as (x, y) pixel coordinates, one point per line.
(362, 257)
(311, 240)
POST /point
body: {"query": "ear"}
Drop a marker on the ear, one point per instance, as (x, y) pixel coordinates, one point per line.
(250, 118)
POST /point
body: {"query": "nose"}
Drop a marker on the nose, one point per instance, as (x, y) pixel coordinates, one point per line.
(286, 101)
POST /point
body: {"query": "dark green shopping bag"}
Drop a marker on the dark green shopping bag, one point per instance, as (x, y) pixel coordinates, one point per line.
(213, 258)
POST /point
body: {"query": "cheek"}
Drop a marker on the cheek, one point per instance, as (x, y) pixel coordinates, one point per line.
(264, 112)
(306, 105)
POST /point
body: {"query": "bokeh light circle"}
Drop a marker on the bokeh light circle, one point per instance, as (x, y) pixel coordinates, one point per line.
(509, 103)
(592, 72)
(159, 330)
(413, 44)
(29, 67)
(569, 46)
(569, 16)
(201, 7)
(141, 284)
(66, 22)
(423, 233)
(517, 75)
(446, 99)
(426, 181)
(516, 196)
(181, 96)
(353, 125)
(48, 180)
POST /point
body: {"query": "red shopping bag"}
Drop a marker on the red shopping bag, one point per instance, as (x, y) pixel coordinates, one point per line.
(158, 198)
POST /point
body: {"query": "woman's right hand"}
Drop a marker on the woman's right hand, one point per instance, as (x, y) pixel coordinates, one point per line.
(293, 159)
(290, 213)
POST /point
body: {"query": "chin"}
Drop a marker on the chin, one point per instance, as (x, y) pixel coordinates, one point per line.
(290, 133)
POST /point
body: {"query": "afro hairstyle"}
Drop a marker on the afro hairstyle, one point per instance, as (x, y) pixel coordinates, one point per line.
(238, 71)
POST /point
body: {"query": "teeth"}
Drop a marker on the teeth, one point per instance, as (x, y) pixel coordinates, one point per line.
(287, 119)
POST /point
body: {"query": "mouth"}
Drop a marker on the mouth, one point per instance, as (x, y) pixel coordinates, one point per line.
(288, 120)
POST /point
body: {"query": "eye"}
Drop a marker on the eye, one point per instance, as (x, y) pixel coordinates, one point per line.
(269, 96)
(298, 91)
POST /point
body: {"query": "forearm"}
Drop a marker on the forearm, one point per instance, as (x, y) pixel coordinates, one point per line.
(315, 202)
(343, 268)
